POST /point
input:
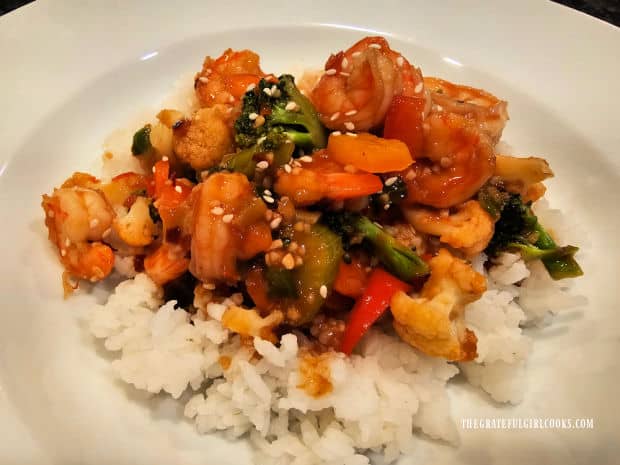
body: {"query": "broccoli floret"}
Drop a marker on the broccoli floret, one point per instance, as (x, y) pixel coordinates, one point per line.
(518, 230)
(400, 260)
(287, 114)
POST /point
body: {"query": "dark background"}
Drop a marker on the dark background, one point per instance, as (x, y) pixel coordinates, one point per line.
(607, 10)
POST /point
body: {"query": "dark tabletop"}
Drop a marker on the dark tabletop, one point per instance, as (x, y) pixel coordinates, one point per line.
(607, 10)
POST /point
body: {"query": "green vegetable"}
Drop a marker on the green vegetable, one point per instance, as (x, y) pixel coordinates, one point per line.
(288, 114)
(321, 262)
(399, 259)
(142, 141)
(281, 283)
(518, 230)
(244, 161)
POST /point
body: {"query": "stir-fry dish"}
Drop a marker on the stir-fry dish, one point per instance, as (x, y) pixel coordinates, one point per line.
(323, 207)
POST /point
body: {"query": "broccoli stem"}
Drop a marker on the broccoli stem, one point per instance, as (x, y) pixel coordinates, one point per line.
(397, 258)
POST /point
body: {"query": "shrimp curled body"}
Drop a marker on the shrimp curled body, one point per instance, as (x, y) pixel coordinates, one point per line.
(359, 84)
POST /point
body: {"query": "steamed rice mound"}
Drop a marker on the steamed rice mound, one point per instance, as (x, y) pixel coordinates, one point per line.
(380, 396)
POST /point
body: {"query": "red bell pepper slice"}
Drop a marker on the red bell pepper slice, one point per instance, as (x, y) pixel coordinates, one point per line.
(403, 121)
(370, 306)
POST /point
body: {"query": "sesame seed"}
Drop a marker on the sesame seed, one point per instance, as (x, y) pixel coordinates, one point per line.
(335, 116)
(164, 158)
(400, 61)
(386, 206)
(344, 63)
(275, 222)
(291, 106)
(296, 164)
(377, 46)
(390, 181)
(153, 169)
(260, 140)
(288, 261)
(444, 213)
(260, 120)
(351, 134)
(250, 88)
(287, 168)
(209, 286)
(445, 162)
(253, 116)
(94, 222)
(217, 211)
(330, 72)
(276, 244)
(439, 108)
(336, 133)
(306, 159)
(356, 54)
(203, 79)
(418, 88)
(179, 189)
(231, 98)
(50, 213)
(268, 199)
(267, 91)
(342, 73)
(267, 192)
(323, 291)
(349, 125)
(351, 113)
(63, 252)
(107, 232)
(67, 242)
(227, 218)
(261, 165)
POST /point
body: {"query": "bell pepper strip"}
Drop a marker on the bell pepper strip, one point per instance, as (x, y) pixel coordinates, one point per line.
(370, 153)
(161, 172)
(370, 306)
(403, 122)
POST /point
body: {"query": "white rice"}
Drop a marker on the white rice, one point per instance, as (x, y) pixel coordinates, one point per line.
(382, 397)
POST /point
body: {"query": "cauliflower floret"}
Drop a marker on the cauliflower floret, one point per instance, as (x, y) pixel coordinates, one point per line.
(248, 322)
(202, 141)
(433, 322)
(470, 229)
(523, 176)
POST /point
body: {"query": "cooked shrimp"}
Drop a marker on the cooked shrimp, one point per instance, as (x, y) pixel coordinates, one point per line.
(228, 224)
(433, 322)
(204, 139)
(487, 111)
(166, 263)
(358, 85)
(459, 159)
(224, 80)
(77, 219)
(469, 229)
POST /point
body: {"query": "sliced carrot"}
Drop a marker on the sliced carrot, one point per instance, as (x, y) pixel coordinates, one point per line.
(368, 152)
(341, 186)
(161, 172)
